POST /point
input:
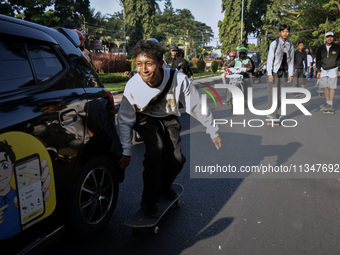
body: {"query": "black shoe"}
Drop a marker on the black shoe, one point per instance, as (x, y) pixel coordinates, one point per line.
(169, 194)
(149, 209)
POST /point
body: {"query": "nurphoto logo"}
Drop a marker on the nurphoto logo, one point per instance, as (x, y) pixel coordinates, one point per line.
(239, 104)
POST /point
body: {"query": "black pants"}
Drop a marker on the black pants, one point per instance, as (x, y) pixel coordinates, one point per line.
(163, 158)
(279, 82)
(298, 79)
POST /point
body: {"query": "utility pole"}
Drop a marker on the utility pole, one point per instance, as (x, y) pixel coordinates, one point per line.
(242, 22)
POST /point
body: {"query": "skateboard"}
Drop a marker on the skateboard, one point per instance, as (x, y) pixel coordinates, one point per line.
(330, 111)
(139, 221)
(273, 122)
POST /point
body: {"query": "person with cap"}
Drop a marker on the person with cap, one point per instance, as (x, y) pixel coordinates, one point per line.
(327, 64)
(280, 60)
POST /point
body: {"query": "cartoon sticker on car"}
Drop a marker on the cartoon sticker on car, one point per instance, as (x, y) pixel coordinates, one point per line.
(27, 191)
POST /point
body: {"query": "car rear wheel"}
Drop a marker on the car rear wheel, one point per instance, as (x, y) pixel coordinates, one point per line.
(93, 198)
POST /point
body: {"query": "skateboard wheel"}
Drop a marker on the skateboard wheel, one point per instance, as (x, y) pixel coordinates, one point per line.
(155, 230)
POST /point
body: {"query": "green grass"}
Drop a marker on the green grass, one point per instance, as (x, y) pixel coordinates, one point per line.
(115, 86)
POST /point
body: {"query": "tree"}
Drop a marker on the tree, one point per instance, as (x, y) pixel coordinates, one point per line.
(230, 27)
(73, 13)
(32, 10)
(140, 19)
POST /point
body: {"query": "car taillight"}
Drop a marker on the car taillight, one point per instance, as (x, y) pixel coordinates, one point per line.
(112, 101)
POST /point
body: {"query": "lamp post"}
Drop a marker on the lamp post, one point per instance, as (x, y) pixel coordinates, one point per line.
(242, 22)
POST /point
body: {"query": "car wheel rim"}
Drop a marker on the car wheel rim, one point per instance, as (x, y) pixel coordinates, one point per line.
(96, 195)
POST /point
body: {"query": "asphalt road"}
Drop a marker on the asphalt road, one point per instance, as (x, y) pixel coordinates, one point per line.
(256, 214)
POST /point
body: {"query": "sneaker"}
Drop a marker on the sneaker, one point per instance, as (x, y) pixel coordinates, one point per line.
(169, 194)
(326, 107)
(149, 209)
(270, 117)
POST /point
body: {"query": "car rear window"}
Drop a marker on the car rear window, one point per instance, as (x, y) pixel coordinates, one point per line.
(23, 64)
(46, 63)
(15, 68)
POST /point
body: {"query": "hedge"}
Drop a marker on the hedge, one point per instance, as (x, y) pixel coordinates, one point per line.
(113, 77)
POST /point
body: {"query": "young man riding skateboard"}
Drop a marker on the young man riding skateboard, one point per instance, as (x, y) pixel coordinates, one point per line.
(327, 63)
(150, 105)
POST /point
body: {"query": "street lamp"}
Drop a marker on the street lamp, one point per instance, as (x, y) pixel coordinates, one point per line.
(242, 22)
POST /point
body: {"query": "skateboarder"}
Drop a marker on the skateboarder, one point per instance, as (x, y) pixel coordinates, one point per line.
(327, 62)
(150, 105)
(280, 60)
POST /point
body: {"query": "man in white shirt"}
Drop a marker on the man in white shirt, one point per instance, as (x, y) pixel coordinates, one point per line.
(327, 64)
(280, 60)
(150, 105)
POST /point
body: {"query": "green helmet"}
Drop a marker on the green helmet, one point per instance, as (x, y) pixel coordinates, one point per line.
(242, 49)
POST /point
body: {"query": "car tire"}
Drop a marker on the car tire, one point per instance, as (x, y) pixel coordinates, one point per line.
(93, 197)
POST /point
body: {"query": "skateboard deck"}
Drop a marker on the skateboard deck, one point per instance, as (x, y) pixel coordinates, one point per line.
(273, 122)
(138, 220)
(328, 111)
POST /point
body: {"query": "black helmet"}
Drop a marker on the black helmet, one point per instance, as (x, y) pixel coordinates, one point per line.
(173, 47)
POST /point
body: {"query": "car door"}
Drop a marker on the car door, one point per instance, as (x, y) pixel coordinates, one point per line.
(42, 113)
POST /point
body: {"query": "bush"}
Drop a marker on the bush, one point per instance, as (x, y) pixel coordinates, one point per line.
(201, 66)
(110, 63)
(214, 66)
(113, 77)
(194, 70)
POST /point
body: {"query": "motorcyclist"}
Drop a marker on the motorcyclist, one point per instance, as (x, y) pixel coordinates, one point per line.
(184, 67)
(243, 61)
(232, 56)
(174, 61)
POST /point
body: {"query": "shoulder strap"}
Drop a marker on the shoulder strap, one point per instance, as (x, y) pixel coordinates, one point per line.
(277, 44)
(165, 90)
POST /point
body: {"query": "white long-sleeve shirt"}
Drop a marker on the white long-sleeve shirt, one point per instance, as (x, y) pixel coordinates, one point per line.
(138, 94)
(274, 67)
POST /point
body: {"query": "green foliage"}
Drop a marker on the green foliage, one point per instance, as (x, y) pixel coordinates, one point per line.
(309, 20)
(201, 66)
(214, 66)
(113, 77)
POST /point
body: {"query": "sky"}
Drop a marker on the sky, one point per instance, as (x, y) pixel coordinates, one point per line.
(206, 11)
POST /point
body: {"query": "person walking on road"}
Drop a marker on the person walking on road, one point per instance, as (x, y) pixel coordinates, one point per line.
(150, 105)
(280, 60)
(309, 66)
(300, 61)
(327, 64)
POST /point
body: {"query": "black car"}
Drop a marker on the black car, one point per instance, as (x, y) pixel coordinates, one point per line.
(59, 148)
